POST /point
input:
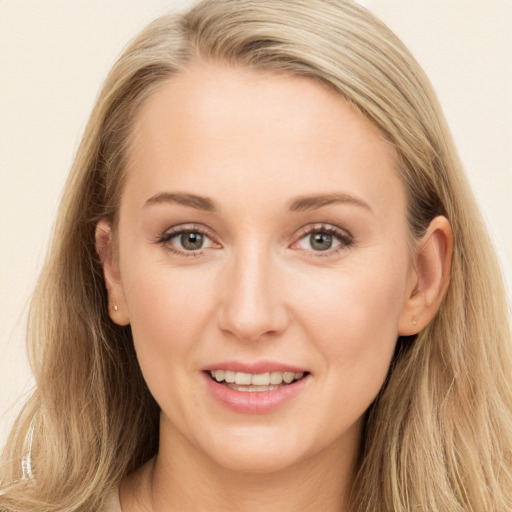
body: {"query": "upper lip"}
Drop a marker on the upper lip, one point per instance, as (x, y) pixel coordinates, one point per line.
(256, 367)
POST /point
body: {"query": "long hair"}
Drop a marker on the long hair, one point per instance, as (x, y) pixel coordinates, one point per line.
(438, 437)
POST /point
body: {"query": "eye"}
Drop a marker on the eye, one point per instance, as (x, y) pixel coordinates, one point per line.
(320, 241)
(187, 241)
(324, 239)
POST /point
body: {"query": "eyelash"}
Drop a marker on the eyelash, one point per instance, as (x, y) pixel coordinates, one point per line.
(346, 240)
(344, 237)
(165, 237)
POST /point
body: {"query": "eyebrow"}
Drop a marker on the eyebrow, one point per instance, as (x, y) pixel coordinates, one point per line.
(191, 200)
(317, 201)
(300, 204)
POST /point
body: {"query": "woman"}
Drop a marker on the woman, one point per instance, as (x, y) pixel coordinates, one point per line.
(269, 286)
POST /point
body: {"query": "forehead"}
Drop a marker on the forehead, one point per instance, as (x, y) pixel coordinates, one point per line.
(215, 126)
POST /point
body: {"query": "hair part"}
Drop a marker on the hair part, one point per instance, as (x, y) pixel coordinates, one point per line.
(439, 435)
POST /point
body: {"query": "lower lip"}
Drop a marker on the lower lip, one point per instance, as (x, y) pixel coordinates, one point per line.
(254, 402)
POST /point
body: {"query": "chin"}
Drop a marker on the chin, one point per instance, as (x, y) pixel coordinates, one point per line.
(250, 460)
(263, 450)
(248, 448)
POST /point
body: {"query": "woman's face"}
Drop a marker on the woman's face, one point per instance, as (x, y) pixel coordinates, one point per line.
(262, 237)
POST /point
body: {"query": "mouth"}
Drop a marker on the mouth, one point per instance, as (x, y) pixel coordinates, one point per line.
(255, 382)
(255, 388)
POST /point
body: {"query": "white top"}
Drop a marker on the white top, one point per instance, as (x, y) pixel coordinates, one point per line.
(113, 504)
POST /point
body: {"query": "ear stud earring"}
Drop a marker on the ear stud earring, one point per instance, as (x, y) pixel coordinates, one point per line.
(115, 307)
(414, 321)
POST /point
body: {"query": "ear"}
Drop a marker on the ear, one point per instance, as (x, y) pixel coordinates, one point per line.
(431, 274)
(117, 309)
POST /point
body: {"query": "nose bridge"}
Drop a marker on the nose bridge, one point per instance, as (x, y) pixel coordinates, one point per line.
(251, 305)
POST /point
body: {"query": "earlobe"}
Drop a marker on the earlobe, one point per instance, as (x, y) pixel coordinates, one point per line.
(105, 247)
(431, 276)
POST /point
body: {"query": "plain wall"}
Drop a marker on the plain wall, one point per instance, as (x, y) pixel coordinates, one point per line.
(55, 54)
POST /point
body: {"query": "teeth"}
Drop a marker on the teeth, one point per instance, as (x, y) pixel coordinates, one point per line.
(255, 379)
(276, 377)
(288, 377)
(242, 378)
(252, 389)
(260, 379)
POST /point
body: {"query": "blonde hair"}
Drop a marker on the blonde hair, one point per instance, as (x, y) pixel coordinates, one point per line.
(439, 435)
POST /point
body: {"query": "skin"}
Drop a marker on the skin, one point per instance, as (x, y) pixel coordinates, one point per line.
(254, 144)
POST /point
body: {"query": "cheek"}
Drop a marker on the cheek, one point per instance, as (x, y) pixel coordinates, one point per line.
(353, 315)
(167, 310)
(355, 300)
(168, 315)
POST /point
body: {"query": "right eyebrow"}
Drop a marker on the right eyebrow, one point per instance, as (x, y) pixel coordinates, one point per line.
(185, 199)
(317, 201)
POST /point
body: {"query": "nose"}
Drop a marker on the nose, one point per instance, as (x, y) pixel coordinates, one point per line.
(251, 306)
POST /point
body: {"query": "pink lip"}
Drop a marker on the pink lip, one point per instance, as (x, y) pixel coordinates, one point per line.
(254, 402)
(256, 367)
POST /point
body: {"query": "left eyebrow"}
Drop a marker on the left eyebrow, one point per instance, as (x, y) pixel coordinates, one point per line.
(317, 201)
(191, 200)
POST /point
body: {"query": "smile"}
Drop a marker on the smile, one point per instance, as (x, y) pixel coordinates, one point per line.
(254, 382)
(255, 393)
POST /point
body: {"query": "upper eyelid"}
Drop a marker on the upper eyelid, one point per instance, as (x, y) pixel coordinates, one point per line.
(164, 237)
(183, 228)
(311, 228)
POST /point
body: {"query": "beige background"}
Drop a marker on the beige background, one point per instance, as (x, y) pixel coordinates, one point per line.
(54, 55)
